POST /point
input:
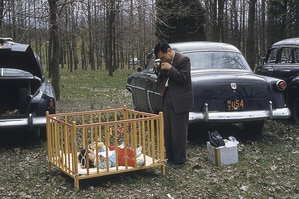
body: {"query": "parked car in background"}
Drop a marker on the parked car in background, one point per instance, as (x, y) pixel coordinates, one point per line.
(25, 93)
(282, 61)
(134, 61)
(225, 88)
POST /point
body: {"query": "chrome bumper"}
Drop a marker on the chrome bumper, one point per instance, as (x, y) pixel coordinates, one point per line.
(236, 116)
(19, 122)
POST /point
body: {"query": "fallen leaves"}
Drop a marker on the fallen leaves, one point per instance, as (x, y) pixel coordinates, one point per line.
(266, 167)
(273, 167)
(244, 188)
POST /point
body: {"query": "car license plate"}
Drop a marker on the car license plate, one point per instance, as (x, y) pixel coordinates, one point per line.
(235, 105)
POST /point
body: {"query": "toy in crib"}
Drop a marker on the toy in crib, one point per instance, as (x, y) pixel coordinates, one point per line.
(123, 155)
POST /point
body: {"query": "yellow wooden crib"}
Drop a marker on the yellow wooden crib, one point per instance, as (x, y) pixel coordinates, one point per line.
(69, 133)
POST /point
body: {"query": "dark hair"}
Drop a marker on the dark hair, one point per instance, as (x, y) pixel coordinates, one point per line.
(82, 158)
(161, 46)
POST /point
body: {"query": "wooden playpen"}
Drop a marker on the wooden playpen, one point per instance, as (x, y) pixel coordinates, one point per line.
(68, 133)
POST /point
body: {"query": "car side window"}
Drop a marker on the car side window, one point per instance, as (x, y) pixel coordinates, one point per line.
(272, 56)
(286, 55)
(296, 53)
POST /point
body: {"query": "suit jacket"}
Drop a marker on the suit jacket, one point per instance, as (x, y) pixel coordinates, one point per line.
(179, 84)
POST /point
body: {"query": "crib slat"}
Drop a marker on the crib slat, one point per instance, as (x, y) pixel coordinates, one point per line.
(68, 133)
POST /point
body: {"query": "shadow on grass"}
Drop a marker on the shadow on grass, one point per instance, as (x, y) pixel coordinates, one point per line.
(198, 133)
(107, 182)
(18, 137)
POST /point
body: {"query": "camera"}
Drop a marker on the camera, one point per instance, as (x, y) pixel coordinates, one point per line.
(158, 62)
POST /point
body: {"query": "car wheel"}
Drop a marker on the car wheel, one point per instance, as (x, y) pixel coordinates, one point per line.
(295, 110)
(42, 133)
(252, 129)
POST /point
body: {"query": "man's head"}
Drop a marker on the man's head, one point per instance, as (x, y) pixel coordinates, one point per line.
(163, 51)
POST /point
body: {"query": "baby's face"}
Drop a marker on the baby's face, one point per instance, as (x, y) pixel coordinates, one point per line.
(92, 156)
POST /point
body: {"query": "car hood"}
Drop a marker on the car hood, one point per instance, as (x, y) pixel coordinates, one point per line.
(20, 56)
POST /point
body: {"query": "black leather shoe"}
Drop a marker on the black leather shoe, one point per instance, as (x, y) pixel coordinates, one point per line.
(178, 166)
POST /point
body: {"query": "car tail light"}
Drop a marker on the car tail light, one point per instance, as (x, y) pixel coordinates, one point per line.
(52, 105)
(281, 85)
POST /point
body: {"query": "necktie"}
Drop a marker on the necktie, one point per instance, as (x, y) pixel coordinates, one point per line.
(163, 87)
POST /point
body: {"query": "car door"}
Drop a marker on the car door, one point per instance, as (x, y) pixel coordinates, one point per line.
(153, 89)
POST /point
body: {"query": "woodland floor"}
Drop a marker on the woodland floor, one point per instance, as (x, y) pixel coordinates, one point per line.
(267, 168)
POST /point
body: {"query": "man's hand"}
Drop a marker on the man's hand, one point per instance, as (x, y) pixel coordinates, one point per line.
(165, 66)
(158, 64)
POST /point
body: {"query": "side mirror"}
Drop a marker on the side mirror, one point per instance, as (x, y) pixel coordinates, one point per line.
(261, 57)
(150, 55)
(139, 69)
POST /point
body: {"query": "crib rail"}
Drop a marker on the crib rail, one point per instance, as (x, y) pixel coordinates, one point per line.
(68, 133)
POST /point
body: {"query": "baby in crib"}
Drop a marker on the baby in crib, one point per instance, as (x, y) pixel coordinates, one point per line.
(124, 154)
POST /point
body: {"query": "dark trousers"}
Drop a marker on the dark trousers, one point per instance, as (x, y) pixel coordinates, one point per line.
(175, 132)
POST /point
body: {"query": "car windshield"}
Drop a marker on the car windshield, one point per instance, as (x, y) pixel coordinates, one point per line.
(217, 60)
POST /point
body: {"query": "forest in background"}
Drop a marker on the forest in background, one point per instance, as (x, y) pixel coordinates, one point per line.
(105, 34)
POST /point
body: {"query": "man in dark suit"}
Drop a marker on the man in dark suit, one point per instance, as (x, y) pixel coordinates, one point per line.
(177, 101)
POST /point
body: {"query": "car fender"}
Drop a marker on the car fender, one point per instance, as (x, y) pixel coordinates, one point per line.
(292, 91)
(294, 82)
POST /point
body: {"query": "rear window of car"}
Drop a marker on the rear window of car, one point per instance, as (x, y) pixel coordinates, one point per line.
(217, 60)
(283, 55)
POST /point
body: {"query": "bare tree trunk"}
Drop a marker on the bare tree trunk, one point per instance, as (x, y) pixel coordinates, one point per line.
(90, 36)
(113, 50)
(70, 56)
(215, 27)
(54, 48)
(83, 54)
(235, 27)
(74, 47)
(131, 23)
(250, 52)
(263, 29)
(243, 25)
(1, 16)
(260, 31)
(297, 19)
(110, 38)
(220, 20)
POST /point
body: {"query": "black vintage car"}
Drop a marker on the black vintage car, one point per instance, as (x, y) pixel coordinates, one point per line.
(25, 93)
(282, 61)
(225, 88)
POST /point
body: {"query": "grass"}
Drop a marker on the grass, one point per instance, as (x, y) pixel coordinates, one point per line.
(89, 84)
(90, 80)
(267, 168)
(96, 88)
